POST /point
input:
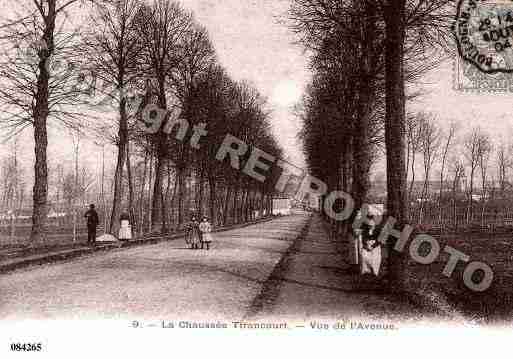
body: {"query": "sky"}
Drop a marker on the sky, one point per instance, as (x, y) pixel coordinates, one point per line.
(492, 111)
(253, 45)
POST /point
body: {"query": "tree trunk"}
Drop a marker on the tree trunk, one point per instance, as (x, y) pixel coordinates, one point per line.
(158, 206)
(117, 200)
(361, 136)
(41, 110)
(167, 201)
(103, 199)
(150, 188)
(442, 169)
(395, 130)
(412, 183)
(470, 209)
(226, 204)
(235, 203)
(423, 196)
(181, 194)
(244, 206)
(200, 194)
(212, 200)
(40, 179)
(130, 189)
(141, 196)
(158, 220)
(361, 163)
(76, 193)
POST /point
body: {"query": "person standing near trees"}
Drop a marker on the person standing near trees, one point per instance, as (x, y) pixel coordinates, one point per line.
(92, 222)
(370, 251)
(125, 230)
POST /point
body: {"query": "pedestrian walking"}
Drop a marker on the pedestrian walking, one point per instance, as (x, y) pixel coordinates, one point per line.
(92, 222)
(206, 236)
(192, 233)
(125, 229)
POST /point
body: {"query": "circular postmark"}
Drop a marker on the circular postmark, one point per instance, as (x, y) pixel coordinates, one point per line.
(484, 34)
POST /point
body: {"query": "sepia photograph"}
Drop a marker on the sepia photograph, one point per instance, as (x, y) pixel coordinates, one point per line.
(254, 171)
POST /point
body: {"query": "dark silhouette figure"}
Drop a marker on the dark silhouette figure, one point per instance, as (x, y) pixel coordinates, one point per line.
(92, 222)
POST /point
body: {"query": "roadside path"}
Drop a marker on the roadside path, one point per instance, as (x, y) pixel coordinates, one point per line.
(314, 282)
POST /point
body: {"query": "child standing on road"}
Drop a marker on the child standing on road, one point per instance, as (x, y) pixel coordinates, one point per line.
(206, 229)
(193, 233)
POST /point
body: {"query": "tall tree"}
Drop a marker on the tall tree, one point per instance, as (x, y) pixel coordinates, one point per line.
(430, 142)
(449, 138)
(161, 28)
(476, 145)
(394, 14)
(36, 88)
(504, 163)
(113, 50)
(196, 57)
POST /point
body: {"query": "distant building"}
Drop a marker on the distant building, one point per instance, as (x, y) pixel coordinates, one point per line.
(282, 206)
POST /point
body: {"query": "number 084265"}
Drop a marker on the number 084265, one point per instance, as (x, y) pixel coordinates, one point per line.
(26, 347)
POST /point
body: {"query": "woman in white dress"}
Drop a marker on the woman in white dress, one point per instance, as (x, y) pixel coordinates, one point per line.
(125, 230)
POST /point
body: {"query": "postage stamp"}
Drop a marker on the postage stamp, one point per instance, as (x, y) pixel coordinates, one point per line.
(468, 78)
(483, 31)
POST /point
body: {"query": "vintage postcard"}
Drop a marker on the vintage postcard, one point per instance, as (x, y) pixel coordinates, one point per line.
(230, 174)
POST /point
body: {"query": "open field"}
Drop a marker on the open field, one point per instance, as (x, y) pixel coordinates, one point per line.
(494, 304)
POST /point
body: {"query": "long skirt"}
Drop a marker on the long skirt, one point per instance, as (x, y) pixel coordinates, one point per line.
(125, 231)
(193, 238)
(370, 260)
(206, 237)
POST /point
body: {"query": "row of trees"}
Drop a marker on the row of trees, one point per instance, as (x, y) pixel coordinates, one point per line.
(364, 54)
(13, 186)
(471, 168)
(96, 78)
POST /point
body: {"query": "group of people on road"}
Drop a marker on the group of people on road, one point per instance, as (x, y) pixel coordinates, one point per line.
(198, 234)
(92, 220)
(365, 249)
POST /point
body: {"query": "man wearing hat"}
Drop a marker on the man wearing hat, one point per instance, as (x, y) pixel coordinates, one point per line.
(92, 222)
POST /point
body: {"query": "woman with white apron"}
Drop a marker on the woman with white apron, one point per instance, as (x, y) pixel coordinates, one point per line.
(125, 230)
(370, 252)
